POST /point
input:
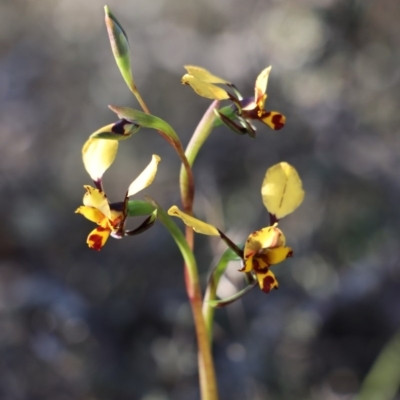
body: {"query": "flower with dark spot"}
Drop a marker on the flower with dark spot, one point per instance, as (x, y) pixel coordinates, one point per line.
(282, 193)
(239, 115)
(111, 218)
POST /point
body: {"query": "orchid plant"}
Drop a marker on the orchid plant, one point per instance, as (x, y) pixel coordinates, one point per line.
(281, 191)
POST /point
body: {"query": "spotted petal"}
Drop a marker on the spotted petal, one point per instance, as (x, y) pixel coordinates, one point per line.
(98, 237)
(197, 225)
(98, 155)
(265, 238)
(273, 119)
(267, 281)
(145, 178)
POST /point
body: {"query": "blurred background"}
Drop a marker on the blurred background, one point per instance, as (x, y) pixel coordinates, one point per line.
(87, 325)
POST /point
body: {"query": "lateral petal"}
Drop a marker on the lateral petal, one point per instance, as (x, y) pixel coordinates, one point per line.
(276, 255)
(92, 214)
(145, 178)
(197, 225)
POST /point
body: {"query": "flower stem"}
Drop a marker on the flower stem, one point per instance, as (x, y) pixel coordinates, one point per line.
(139, 98)
(211, 292)
(200, 135)
(208, 383)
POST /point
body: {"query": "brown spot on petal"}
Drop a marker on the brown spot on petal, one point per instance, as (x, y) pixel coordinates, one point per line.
(95, 242)
(278, 122)
(268, 282)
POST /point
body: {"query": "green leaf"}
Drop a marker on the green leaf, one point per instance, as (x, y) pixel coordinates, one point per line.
(146, 121)
(120, 46)
(231, 299)
(219, 270)
(211, 291)
(137, 208)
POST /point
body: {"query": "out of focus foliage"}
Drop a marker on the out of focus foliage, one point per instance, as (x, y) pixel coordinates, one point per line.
(77, 325)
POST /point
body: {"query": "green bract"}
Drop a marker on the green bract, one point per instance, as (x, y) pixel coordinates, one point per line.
(120, 46)
(146, 121)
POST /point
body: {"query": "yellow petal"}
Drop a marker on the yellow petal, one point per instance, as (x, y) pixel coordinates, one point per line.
(145, 178)
(277, 255)
(205, 89)
(203, 75)
(92, 214)
(248, 264)
(197, 225)
(261, 86)
(96, 199)
(282, 190)
(98, 155)
(265, 238)
(267, 281)
(98, 237)
(273, 119)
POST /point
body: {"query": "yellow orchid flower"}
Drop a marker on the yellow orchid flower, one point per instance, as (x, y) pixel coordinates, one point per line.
(205, 84)
(111, 218)
(263, 248)
(253, 108)
(282, 193)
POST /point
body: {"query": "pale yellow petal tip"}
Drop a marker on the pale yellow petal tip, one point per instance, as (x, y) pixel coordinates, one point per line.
(174, 210)
(203, 75)
(156, 158)
(146, 177)
(194, 223)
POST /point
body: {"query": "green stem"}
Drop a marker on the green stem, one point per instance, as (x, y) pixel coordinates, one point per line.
(139, 98)
(208, 384)
(202, 132)
(211, 292)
